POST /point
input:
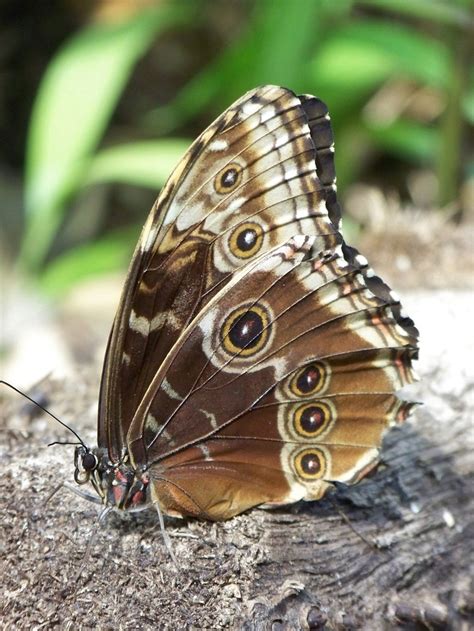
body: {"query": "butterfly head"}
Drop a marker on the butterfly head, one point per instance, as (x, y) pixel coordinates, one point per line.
(86, 463)
(118, 485)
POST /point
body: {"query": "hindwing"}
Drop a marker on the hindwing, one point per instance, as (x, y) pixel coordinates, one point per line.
(281, 385)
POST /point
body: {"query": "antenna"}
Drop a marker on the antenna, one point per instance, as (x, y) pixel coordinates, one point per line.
(9, 385)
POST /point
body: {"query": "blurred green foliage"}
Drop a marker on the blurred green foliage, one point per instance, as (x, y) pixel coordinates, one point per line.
(347, 52)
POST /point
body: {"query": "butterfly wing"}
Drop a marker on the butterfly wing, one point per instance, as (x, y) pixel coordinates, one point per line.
(263, 171)
(281, 385)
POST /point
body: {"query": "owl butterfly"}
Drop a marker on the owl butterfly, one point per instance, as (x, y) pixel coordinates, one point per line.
(254, 357)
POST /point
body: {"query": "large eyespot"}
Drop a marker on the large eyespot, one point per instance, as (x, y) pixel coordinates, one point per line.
(246, 240)
(228, 178)
(246, 330)
(310, 380)
(312, 419)
(310, 464)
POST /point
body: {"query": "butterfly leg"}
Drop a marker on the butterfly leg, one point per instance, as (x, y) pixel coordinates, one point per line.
(166, 537)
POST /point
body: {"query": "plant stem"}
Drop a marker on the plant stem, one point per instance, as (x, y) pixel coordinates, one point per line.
(451, 136)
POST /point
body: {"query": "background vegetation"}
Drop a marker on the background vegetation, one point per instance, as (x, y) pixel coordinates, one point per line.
(100, 100)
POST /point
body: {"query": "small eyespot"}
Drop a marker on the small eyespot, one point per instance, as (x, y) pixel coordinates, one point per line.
(246, 240)
(312, 419)
(246, 330)
(228, 178)
(310, 464)
(310, 380)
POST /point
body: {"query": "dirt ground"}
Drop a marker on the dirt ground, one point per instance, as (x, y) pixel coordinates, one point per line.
(393, 552)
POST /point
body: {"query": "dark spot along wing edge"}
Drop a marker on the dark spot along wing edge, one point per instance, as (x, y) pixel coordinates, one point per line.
(380, 289)
(319, 123)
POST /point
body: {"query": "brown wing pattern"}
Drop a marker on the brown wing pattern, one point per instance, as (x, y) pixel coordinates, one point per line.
(247, 365)
(262, 172)
(281, 385)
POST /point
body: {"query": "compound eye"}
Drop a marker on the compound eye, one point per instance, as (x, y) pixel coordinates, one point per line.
(89, 461)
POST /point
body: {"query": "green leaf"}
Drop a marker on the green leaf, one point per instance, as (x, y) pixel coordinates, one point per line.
(468, 100)
(446, 12)
(407, 139)
(106, 255)
(356, 58)
(346, 70)
(75, 101)
(425, 58)
(275, 49)
(140, 163)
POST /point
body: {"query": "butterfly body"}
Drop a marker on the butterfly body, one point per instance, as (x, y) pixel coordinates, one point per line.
(118, 484)
(254, 357)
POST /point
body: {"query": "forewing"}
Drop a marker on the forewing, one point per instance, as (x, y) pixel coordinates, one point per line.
(262, 172)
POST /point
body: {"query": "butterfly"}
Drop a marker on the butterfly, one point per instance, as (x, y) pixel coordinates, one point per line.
(254, 356)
